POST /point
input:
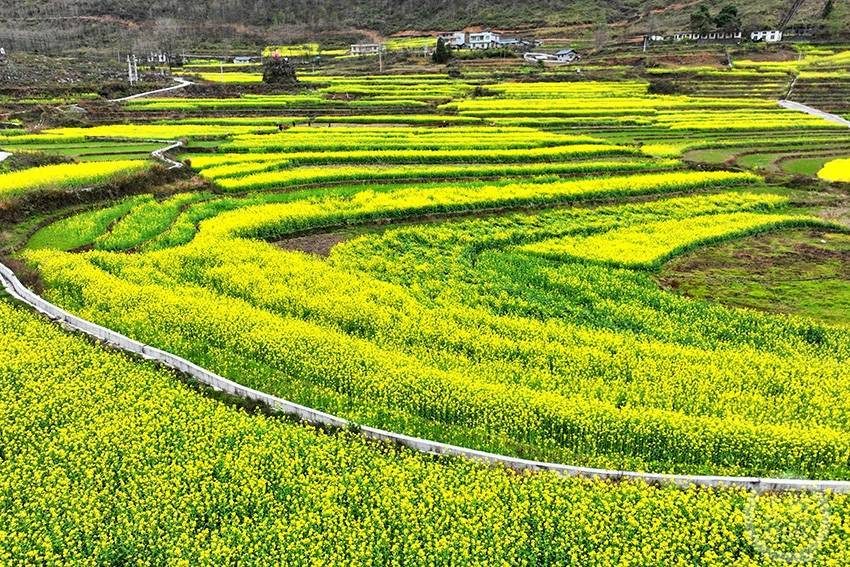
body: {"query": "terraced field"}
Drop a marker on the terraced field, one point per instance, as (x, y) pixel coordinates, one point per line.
(481, 272)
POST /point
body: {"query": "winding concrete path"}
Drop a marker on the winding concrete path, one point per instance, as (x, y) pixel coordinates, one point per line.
(181, 83)
(20, 292)
(800, 107)
(160, 153)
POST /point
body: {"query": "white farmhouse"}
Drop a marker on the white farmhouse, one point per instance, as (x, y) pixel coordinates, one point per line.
(367, 48)
(567, 56)
(454, 40)
(767, 36)
(483, 40)
(533, 57)
(710, 36)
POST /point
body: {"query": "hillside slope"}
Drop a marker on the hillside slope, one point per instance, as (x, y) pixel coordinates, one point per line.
(52, 24)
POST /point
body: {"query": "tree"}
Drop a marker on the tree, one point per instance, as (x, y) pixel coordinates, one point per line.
(278, 70)
(651, 23)
(836, 20)
(827, 10)
(701, 20)
(441, 54)
(600, 30)
(728, 19)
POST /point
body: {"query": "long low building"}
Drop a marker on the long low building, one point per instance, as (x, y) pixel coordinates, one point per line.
(484, 40)
(367, 48)
(768, 36)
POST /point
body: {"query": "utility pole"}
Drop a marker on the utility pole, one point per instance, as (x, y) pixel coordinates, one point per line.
(132, 69)
(380, 59)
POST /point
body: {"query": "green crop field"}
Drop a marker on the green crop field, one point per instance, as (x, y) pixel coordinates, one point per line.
(566, 270)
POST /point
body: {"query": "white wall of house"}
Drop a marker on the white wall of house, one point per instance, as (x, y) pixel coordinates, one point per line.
(483, 40)
(768, 36)
(453, 39)
(367, 48)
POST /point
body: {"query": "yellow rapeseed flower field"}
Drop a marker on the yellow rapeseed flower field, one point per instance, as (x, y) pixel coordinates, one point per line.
(467, 260)
(836, 170)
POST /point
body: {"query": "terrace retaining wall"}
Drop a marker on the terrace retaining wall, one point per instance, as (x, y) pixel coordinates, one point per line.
(17, 290)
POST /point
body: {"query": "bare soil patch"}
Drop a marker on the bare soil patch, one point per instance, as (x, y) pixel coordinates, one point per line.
(318, 244)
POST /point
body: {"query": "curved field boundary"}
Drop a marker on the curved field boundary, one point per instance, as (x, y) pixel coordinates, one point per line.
(17, 290)
(181, 83)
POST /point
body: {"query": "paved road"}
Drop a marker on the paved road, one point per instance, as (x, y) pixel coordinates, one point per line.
(181, 83)
(800, 107)
(4, 155)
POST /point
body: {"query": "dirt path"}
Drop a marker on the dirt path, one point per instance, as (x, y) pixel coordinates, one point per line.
(181, 83)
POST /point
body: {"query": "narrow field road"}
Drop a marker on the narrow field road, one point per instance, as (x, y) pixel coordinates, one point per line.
(3, 156)
(181, 83)
(800, 107)
(160, 154)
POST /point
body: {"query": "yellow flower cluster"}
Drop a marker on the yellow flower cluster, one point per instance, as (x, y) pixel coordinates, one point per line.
(109, 460)
(154, 131)
(271, 219)
(493, 332)
(649, 245)
(462, 155)
(836, 170)
(145, 221)
(302, 138)
(360, 336)
(65, 176)
(243, 102)
(240, 177)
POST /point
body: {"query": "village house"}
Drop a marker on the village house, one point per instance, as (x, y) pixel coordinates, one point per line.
(567, 55)
(453, 40)
(509, 42)
(515, 43)
(711, 36)
(532, 57)
(561, 57)
(160, 57)
(483, 40)
(767, 36)
(368, 48)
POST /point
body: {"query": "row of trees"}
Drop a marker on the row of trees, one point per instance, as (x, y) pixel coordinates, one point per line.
(726, 20)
